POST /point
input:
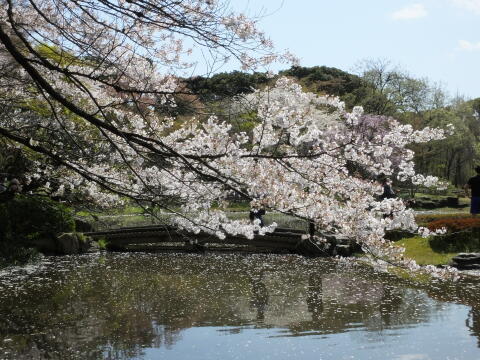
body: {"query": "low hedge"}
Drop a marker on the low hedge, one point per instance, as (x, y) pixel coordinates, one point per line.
(455, 224)
(425, 219)
(463, 235)
(462, 241)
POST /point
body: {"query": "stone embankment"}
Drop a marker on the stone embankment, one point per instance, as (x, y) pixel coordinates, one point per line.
(436, 203)
(466, 261)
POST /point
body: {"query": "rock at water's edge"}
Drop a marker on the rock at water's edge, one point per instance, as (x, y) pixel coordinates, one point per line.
(466, 261)
(71, 243)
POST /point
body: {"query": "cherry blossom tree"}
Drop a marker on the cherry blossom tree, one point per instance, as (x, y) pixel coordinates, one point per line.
(95, 72)
(81, 87)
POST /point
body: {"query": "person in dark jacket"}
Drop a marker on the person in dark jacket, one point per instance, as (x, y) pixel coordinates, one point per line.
(257, 211)
(388, 192)
(472, 190)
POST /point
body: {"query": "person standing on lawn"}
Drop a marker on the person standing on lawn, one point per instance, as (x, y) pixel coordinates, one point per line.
(257, 210)
(388, 192)
(472, 190)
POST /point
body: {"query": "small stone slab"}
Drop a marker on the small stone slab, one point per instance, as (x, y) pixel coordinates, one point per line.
(463, 266)
(466, 261)
(343, 250)
(467, 257)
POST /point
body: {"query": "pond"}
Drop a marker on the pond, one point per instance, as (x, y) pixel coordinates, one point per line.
(227, 306)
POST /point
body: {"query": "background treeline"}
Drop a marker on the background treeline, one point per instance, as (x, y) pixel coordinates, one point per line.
(378, 86)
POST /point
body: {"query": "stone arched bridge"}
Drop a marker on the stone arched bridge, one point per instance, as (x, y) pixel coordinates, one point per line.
(167, 238)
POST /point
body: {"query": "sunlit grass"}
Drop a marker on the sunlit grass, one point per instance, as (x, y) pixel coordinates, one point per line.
(418, 249)
(127, 210)
(282, 220)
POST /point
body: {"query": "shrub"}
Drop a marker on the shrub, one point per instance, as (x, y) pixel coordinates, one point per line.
(13, 254)
(455, 224)
(102, 243)
(463, 241)
(26, 220)
(424, 219)
(30, 217)
(463, 235)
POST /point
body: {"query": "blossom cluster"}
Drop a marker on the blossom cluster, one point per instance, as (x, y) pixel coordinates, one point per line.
(83, 83)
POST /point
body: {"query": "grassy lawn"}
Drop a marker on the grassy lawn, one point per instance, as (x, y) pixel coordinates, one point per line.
(138, 210)
(418, 249)
(462, 197)
(283, 221)
(128, 210)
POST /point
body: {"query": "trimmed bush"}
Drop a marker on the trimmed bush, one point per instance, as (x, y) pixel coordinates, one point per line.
(463, 235)
(424, 219)
(462, 241)
(455, 224)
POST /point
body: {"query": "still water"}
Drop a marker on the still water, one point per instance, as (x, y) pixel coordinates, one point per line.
(180, 306)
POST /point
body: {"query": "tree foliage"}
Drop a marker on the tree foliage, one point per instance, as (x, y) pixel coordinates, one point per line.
(93, 87)
(226, 85)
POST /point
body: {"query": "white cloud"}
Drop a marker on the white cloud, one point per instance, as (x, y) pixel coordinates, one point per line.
(468, 45)
(414, 11)
(470, 5)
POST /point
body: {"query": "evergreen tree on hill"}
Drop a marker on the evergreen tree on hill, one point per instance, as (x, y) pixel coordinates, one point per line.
(323, 79)
(319, 79)
(225, 85)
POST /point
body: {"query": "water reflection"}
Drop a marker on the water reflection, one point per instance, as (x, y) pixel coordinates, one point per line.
(315, 296)
(473, 321)
(259, 300)
(465, 291)
(126, 306)
(390, 303)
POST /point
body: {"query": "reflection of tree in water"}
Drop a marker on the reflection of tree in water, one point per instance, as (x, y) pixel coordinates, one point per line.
(339, 301)
(117, 308)
(91, 319)
(390, 303)
(314, 296)
(465, 291)
(259, 300)
(473, 321)
(112, 310)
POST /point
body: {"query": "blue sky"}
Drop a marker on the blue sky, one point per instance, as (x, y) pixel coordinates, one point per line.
(437, 39)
